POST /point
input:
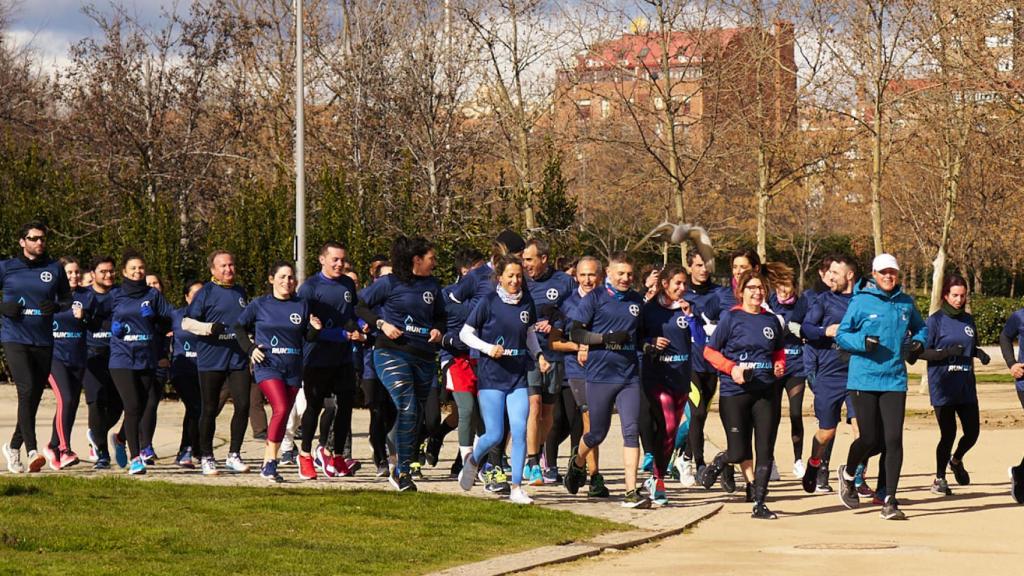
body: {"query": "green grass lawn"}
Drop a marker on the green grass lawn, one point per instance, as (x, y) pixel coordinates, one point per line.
(118, 525)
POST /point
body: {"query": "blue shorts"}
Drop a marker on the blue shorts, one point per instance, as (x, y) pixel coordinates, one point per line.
(828, 406)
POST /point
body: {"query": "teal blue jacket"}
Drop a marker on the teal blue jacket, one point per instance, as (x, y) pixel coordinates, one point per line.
(893, 318)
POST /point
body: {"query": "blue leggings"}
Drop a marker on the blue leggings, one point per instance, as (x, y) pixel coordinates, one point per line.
(600, 399)
(407, 378)
(493, 404)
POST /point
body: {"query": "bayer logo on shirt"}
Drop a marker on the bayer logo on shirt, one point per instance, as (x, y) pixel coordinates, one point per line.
(295, 318)
(769, 334)
(241, 302)
(552, 294)
(681, 323)
(46, 276)
(969, 331)
(348, 297)
(634, 309)
(525, 317)
(428, 297)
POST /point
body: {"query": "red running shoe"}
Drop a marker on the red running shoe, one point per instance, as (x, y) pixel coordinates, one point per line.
(307, 470)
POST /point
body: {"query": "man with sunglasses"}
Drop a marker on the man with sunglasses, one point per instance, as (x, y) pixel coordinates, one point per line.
(34, 288)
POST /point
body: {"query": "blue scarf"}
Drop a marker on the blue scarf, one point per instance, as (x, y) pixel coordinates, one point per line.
(620, 296)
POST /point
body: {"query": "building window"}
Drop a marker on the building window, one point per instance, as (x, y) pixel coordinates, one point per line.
(659, 103)
(583, 109)
(606, 108)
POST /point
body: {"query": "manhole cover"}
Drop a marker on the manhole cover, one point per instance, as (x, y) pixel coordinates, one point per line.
(839, 546)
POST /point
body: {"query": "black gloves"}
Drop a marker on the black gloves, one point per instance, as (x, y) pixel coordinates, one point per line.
(48, 307)
(217, 328)
(617, 338)
(748, 375)
(983, 356)
(954, 350)
(11, 309)
(870, 344)
(912, 351)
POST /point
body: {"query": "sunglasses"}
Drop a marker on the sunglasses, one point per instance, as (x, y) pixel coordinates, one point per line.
(35, 238)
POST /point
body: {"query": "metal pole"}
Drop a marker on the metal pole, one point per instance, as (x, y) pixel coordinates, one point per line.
(300, 157)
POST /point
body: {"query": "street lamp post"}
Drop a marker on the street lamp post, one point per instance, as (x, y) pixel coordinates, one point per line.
(300, 156)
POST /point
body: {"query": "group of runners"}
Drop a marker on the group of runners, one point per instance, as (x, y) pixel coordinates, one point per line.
(523, 354)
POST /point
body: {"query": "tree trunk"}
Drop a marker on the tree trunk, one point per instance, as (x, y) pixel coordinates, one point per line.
(763, 199)
(876, 178)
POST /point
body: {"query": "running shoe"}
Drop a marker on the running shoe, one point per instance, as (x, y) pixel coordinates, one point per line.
(858, 475)
(648, 464)
(685, 469)
(137, 466)
(13, 458)
(597, 488)
(342, 467)
(636, 499)
(864, 490)
(709, 475)
(656, 488)
(799, 468)
(148, 455)
(416, 470)
(318, 457)
(393, 478)
(467, 476)
(761, 512)
(575, 476)
(960, 473)
(120, 451)
(941, 487)
(550, 475)
(184, 459)
(102, 462)
(288, 457)
(235, 464)
(519, 496)
(498, 482)
(209, 466)
(775, 477)
(847, 491)
(36, 461)
(878, 498)
(382, 471)
(352, 465)
(405, 483)
(52, 460)
(269, 472)
(536, 477)
(748, 495)
(728, 479)
(456, 467)
(1017, 483)
(810, 478)
(68, 459)
(324, 462)
(823, 485)
(94, 449)
(433, 451)
(891, 510)
(307, 470)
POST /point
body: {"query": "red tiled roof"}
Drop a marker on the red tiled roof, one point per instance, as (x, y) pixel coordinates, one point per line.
(683, 48)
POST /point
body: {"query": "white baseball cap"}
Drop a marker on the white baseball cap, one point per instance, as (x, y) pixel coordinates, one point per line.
(884, 262)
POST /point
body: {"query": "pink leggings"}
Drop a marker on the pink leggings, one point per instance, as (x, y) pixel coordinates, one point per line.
(667, 408)
(281, 397)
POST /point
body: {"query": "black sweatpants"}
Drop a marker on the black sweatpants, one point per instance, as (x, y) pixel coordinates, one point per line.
(794, 387)
(139, 391)
(567, 424)
(210, 385)
(753, 415)
(102, 399)
(970, 421)
(880, 418)
(66, 382)
(706, 383)
(318, 383)
(382, 417)
(186, 383)
(30, 368)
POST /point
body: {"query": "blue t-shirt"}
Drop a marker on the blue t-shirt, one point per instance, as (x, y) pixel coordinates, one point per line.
(137, 348)
(456, 314)
(704, 301)
(97, 339)
(333, 301)
(1014, 330)
(30, 283)
(573, 369)
(794, 345)
(549, 291)
(670, 366)
(184, 348)
(951, 381)
(603, 311)
(726, 298)
(279, 329)
(69, 332)
(476, 284)
(832, 369)
(749, 340)
(223, 304)
(415, 307)
(506, 324)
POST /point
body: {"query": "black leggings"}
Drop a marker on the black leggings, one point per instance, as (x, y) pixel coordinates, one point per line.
(66, 382)
(187, 386)
(430, 424)
(210, 385)
(30, 368)
(754, 413)
(970, 421)
(318, 384)
(706, 383)
(567, 424)
(139, 391)
(103, 400)
(382, 417)
(648, 429)
(794, 386)
(880, 418)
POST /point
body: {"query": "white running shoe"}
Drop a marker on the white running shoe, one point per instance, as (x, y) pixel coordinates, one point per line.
(209, 466)
(649, 485)
(685, 468)
(775, 473)
(13, 458)
(519, 496)
(93, 450)
(235, 464)
(799, 469)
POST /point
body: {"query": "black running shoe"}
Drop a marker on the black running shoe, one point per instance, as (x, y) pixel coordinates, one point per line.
(636, 499)
(456, 467)
(941, 487)
(847, 490)
(576, 476)
(761, 512)
(433, 451)
(750, 493)
(709, 474)
(810, 479)
(1017, 481)
(823, 486)
(597, 487)
(405, 483)
(891, 510)
(960, 473)
(728, 479)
